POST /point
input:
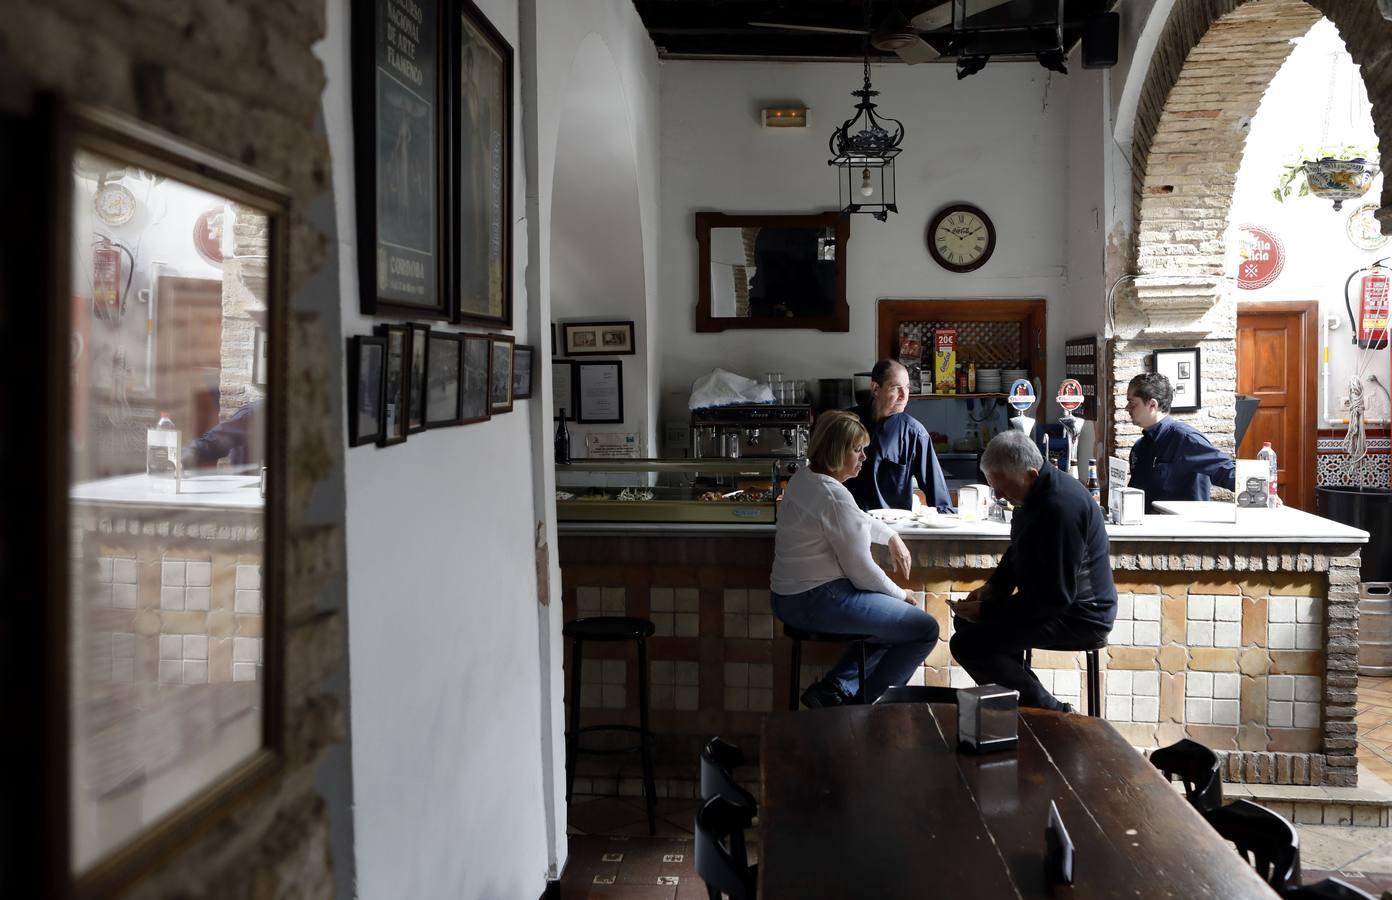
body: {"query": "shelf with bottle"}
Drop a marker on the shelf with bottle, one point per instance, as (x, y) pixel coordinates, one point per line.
(967, 396)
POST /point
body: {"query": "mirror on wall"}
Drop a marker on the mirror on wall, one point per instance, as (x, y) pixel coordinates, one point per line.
(777, 271)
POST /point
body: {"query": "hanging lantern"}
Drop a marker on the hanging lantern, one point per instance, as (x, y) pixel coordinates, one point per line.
(863, 151)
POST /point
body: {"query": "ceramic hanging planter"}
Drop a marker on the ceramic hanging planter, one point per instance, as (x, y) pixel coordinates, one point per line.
(1339, 179)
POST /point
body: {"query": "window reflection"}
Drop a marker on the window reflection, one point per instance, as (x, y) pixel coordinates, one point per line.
(168, 384)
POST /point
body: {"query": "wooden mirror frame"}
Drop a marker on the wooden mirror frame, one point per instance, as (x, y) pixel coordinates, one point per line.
(69, 129)
(840, 318)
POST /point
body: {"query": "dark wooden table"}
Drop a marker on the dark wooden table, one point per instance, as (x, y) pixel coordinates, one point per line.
(875, 801)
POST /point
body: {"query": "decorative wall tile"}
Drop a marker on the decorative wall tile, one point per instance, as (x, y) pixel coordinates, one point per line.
(1212, 698)
(116, 582)
(746, 618)
(1295, 623)
(602, 683)
(1130, 696)
(1331, 463)
(1293, 701)
(180, 591)
(1213, 621)
(1065, 684)
(675, 684)
(1137, 621)
(748, 687)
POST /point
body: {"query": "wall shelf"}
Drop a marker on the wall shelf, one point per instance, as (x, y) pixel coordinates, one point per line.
(957, 396)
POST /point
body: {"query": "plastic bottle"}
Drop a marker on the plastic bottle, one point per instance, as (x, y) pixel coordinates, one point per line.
(1268, 454)
(163, 466)
(562, 440)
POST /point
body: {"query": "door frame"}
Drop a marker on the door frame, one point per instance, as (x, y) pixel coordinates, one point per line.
(1309, 313)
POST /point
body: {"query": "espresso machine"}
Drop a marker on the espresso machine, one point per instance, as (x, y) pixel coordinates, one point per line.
(758, 431)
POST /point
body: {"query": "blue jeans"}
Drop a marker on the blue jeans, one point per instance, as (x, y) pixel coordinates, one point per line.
(901, 635)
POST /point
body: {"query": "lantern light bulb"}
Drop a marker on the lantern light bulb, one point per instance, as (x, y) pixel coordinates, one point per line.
(866, 188)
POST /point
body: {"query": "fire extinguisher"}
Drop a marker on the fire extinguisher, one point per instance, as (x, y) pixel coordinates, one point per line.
(1374, 306)
(106, 280)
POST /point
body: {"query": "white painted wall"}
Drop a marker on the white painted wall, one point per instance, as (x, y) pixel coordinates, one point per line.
(1316, 98)
(449, 763)
(997, 139)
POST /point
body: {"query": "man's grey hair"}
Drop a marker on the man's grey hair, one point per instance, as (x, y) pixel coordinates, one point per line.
(1011, 451)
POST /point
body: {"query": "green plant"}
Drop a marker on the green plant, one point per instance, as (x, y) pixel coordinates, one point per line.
(1292, 176)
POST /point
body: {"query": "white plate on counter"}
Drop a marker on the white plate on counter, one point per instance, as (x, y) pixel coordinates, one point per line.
(941, 520)
(892, 516)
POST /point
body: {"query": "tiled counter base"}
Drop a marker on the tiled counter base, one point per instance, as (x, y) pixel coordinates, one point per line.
(1250, 652)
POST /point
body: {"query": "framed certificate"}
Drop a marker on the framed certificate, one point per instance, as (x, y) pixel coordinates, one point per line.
(599, 393)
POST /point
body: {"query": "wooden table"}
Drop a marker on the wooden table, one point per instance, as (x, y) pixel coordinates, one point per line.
(875, 801)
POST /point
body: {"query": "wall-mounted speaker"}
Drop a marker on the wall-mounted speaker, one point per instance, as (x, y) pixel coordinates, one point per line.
(1101, 35)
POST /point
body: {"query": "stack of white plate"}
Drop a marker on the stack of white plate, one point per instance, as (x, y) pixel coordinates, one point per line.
(1011, 375)
(988, 381)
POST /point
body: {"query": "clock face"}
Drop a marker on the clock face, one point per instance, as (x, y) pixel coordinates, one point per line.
(961, 238)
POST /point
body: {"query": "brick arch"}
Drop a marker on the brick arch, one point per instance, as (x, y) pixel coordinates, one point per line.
(1214, 61)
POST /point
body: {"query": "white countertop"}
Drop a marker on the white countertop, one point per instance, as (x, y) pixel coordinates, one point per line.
(239, 492)
(1276, 526)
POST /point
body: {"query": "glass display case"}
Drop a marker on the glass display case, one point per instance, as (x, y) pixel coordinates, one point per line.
(669, 490)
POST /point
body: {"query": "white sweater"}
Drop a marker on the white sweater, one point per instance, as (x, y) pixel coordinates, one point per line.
(822, 536)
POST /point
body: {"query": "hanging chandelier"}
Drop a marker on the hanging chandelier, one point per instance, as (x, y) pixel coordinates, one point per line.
(863, 150)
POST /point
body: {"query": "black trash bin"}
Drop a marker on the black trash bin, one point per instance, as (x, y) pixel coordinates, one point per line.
(1371, 510)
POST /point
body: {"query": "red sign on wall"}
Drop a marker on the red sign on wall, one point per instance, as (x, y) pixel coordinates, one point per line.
(1261, 257)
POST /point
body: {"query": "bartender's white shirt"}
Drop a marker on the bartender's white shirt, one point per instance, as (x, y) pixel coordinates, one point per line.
(822, 536)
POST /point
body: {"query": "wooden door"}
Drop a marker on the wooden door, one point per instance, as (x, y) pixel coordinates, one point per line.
(1276, 359)
(189, 362)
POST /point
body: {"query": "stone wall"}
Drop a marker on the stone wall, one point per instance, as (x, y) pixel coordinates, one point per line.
(1214, 61)
(237, 79)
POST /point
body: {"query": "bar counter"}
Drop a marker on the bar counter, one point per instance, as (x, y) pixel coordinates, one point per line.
(1241, 635)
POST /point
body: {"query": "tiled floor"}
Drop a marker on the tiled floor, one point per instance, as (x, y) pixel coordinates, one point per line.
(611, 855)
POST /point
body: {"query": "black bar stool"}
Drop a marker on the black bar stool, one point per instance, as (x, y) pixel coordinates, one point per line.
(1094, 672)
(611, 628)
(799, 635)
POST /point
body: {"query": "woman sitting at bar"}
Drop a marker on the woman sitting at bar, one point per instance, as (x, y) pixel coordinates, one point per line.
(824, 578)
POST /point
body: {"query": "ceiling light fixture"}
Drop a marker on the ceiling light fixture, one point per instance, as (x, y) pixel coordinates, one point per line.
(863, 151)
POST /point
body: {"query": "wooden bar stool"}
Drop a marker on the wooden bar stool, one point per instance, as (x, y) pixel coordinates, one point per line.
(1094, 672)
(609, 629)
(799, 635)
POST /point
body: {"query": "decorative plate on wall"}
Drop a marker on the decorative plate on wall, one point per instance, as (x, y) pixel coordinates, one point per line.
(1364, 230)
(115, 204)
(961, 238)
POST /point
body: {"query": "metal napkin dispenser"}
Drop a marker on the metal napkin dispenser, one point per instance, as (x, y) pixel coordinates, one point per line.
(1129, 507)
(988, 718)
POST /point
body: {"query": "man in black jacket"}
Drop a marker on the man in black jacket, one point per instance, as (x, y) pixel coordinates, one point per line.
(1053, 588)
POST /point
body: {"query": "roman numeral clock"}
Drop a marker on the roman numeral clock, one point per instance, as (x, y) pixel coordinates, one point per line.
(961, 238)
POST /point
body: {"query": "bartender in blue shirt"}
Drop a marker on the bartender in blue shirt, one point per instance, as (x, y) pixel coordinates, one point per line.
(900, 449)
(1172, 460)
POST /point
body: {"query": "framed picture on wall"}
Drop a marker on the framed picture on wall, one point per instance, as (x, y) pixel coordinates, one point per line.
(399, 139)
(480, 167)
(366, 362)
(599, 393)
(1181, 367)
(396, 383)
(415, 403)
(563, 388)
(500, 393)
(478, 375)
(522, 373)
(442, 374)
(597, 339)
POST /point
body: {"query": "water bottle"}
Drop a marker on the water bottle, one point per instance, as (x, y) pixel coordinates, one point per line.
(163, 466)
(1269, 455)
(562, 440)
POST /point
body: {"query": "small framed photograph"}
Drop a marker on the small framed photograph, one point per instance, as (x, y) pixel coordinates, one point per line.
(442, 397)
(366, 361)
(396, 383)
(500, 394)
(599, 387)
(478, 360)
(597, 339)
(1182, 368)
(415, 403)
(563, 388)
(522, 372)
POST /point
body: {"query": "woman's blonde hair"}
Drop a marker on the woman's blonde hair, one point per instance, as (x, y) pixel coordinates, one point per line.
(837, 434)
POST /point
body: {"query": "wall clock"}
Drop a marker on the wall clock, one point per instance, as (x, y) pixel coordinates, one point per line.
(961, 238)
